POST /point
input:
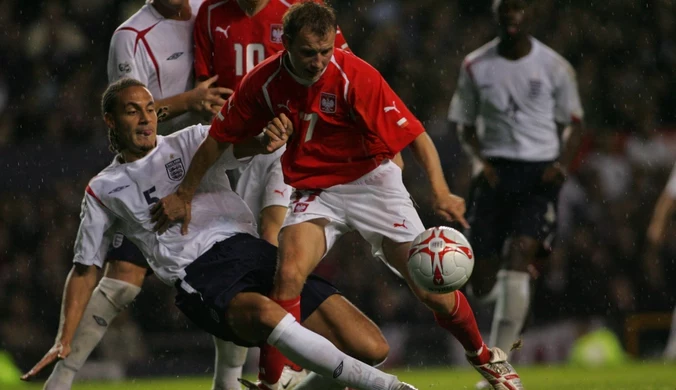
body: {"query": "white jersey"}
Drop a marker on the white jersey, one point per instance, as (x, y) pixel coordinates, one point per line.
(120, 197)
(671, 184)
(519, 102)
(159, 52)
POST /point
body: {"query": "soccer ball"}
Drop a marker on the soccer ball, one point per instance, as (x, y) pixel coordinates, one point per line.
(440, 260)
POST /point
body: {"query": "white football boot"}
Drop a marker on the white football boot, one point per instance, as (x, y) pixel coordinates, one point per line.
(498, 373)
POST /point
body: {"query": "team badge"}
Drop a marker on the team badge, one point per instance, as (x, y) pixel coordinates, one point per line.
(175, 169)
(117, 240)
(534, 88)
(124, 67)
(327, 103)
(276, 32)
(300, 207)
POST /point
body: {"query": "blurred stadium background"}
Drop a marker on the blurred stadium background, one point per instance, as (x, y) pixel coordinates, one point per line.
(52, 140)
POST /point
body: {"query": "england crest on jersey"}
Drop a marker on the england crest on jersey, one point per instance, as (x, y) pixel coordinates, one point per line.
(276, 32)
(328, 103)
(175, 169)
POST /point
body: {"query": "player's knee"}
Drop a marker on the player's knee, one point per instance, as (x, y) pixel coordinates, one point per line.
(438, 303)
(522, 251)
(118, 292)
(125, 271)
(253, 316)
(377, 350)
(290, 278)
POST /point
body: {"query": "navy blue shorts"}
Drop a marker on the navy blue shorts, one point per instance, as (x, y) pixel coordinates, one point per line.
(520, 205)
(242, 263)
(124, 250)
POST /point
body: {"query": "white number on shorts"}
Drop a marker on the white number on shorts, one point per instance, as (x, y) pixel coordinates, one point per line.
(255, 53)
(311, 118)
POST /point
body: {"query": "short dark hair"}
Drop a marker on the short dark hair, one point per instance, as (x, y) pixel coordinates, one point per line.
(319, 18)
(108, 102)
(109, 98)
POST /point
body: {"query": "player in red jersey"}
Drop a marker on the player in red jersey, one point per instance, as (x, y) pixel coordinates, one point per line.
(348, 125)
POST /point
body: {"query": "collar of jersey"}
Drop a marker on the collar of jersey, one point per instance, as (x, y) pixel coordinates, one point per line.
(159, 138)
(299, 80)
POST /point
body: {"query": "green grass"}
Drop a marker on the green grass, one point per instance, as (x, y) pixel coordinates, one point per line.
(635, 376)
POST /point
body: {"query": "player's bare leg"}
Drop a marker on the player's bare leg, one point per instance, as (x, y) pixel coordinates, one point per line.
(271, 219)
(453, 313)
(301, 247)
(119, 286)
(256, 318)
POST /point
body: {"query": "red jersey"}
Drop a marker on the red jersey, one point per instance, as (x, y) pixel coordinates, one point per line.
(345, 124)
(229, 43)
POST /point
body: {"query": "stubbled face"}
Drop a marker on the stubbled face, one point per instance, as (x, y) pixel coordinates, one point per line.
(134, 120)
(309, 53)
(512, 18)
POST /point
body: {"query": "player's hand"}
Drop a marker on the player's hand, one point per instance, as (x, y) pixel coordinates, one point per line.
(208, 98)
(58, 351)
(277, 133)
(490, 174)
(169, 210)
(555, 173)
(452, 208)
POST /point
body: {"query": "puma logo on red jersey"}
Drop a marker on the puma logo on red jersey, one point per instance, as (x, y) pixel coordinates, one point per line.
(401, 225)
(221, 30)
(281, 193)
(393, 107)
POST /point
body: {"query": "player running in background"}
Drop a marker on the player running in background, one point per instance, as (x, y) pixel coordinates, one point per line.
(349, 125)
(526, 94)
(221, 270)
(663, 214)
(154, 46)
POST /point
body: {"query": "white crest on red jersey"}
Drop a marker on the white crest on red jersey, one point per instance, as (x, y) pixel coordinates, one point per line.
(328, 103)
(276, 32)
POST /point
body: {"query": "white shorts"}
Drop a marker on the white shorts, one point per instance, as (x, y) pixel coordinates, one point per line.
(377, 205)
(261, 183)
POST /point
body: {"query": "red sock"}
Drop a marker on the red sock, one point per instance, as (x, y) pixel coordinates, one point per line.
(272, 361)
(462, 324)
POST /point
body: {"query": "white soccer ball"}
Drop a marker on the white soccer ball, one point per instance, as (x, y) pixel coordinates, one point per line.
(440, 260)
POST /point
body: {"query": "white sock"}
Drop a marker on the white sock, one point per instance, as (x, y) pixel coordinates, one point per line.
(315, 381)
(107, 301)
(511, 308)
(670, 350)
(315, 353)
(230, 359)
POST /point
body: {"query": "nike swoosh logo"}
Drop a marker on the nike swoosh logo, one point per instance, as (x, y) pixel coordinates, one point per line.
(285, 385)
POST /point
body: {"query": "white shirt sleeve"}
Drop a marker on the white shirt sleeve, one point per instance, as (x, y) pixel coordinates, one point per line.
(95, 233)
(464, 107)
(671, 184)
(123, 61)
(567, 106)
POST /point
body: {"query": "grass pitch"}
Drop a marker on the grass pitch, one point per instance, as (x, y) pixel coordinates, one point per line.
(634, 376)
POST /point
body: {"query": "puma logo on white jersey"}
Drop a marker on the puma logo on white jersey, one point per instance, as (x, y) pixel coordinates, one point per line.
(225, 32)
(393, 107)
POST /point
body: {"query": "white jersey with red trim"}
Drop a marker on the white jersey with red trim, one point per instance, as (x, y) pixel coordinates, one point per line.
(520, 102)
(120, 197)
(158, 52)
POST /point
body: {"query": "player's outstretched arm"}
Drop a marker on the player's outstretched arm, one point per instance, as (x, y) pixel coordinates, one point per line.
(449, 206)
(76, 293)
(205, 97)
